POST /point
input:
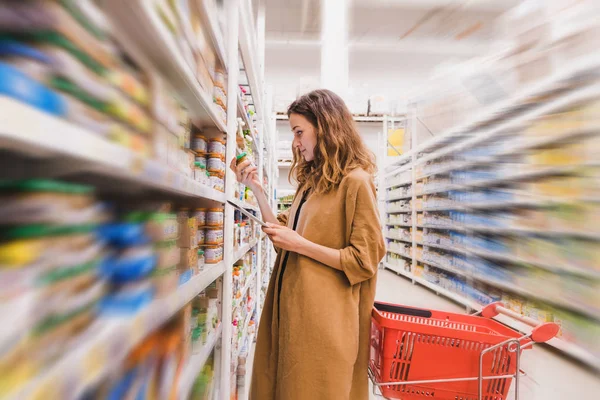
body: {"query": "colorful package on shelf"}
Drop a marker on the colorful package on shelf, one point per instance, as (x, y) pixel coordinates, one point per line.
(49, 280)
(95, 89)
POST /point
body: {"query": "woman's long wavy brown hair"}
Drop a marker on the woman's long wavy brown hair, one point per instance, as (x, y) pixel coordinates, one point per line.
(339, 149)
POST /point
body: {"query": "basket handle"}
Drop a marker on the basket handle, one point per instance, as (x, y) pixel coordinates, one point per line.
(415, 312)
(542, 331)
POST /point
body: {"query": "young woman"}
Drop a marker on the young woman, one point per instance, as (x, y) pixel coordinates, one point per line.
(313, 339)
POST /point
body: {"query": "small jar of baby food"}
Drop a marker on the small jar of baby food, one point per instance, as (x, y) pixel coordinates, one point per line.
(216, 146)
(200, 214)
(212, 254)
(213, 235)
(199, 144)
(215, 217)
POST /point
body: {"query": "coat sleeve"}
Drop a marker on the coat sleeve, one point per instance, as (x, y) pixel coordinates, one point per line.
(361, 258)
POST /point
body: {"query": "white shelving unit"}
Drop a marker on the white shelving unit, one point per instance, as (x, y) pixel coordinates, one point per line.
(554, 94)
(69, 150)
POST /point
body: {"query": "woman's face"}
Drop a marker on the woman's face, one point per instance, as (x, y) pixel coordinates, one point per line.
(305, 136)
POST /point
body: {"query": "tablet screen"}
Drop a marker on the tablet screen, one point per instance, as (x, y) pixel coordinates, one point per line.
(246, 213)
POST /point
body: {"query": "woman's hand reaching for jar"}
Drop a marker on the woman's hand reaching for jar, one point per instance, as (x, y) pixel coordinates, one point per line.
(247, 174)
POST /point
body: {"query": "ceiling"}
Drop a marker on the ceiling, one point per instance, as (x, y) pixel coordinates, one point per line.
(389, 23)
(394, 45)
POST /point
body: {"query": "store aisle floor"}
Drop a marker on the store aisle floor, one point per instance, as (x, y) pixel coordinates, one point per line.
(550, 376)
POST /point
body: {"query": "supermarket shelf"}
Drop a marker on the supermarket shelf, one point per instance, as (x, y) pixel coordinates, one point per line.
(245, 329)
(398, 239)
(519, 202)
(553, 83)
(398, 224)
(398, 253)
(522, 176)
(109, 340)
(77, 151)
(439, 189)
(443, 267)
(248, 50)
(399, 166)
(459, 165)
(210, 21)
(245, 393)
(456, 249)
(397, 270)
(524, 230)
(442, 227)
(398, 212)
(142, 24)
(548, 140)
(243, 112)
(243, 250)
(571, 349)
(401, 183)
(249, 282)
(401, 197)
(449, 207)
(514, 288)
(556, 267)
(196, 363)
(571, 97)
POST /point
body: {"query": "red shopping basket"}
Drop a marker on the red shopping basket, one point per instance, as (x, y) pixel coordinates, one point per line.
(419, 354)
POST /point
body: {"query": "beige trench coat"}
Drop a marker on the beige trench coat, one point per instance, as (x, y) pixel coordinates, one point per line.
(313, 339)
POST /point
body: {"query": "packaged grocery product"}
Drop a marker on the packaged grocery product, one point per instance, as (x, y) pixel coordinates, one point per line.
(17, 85)
(216, 146)
(130, 264)
(201, 236)
(167, 253)
(200, 215)
(216, 181)
(189, 259)
(213, 254)
(188, 228)
(128, 299)
(214, 235)
(216, 163)
(215, 217)
(199, 144)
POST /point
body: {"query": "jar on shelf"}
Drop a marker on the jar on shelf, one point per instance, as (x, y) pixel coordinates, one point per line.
(216, 181)
(214, 235)
(200, 214)
(213, 254)
(215, 216)
(216, 146)
(199, 144)
(201, 236)
(216, 163)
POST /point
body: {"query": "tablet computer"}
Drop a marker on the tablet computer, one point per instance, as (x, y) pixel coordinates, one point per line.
(247, 213)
